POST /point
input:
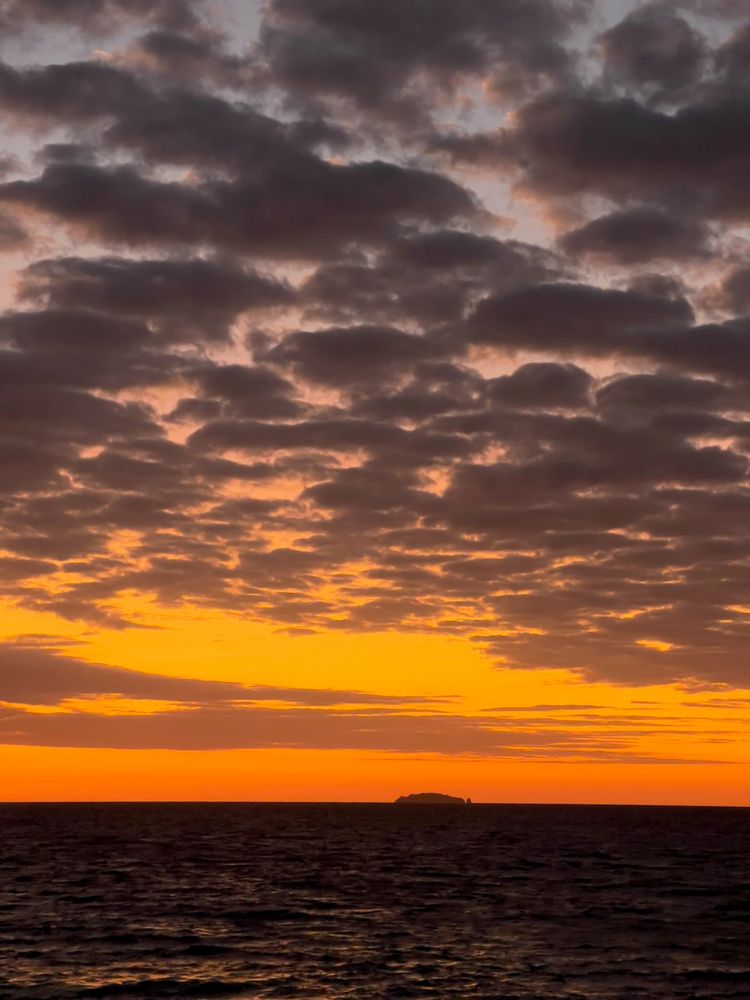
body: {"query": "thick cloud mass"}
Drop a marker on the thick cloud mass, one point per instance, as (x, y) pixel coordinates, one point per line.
(637, 235)
(653, 47)
(96, 15)
(389, 61)
(417, 315)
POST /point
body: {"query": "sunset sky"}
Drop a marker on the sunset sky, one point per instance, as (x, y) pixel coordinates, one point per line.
(375, 400)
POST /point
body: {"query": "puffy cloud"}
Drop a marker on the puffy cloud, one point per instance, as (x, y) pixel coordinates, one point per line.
(569, 316)
(346, 357)
(12, 235)
(239, 391)
(735, 291)
(97, 15)
(543, 385)
(587, 142)
(653, 46)
(635, 235)
(191, 299)
(733, 58)
(644, 394)
(428, 278)
(384, 59)
(306, 209)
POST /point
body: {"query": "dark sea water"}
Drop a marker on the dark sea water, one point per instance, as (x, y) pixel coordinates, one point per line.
(317, 901)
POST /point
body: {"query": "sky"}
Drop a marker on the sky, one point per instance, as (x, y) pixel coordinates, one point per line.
(374, 400)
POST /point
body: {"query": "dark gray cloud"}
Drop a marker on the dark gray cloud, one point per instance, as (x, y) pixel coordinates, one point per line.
(635, 235)
(733, 58)
(347, 356)
(97, 15)
(383, 62)
(306, 209)
(429, 278)
(185, 56)
(644, 394)
(735, 291)
(588, 142)
(568, 317)
(71, 92)
(654, 47)
(238, 391)
(157, 119)
(189, 299)
(542, 385)
(434, 388)
(70, 348)
(12, 235)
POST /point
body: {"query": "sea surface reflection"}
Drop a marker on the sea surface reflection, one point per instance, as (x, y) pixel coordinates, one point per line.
(368, 901)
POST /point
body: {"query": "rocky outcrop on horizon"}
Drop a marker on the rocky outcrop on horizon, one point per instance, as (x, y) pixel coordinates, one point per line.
(431, 798)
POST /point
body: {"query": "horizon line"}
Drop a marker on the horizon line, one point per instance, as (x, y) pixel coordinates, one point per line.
(359, 802)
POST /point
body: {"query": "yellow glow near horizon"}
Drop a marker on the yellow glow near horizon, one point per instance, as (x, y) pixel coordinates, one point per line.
(659, 723)
(51, 775)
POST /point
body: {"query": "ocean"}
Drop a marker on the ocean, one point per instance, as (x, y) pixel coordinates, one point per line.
(368, 901)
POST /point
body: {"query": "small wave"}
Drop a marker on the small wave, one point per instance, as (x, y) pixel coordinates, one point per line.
(195, 988)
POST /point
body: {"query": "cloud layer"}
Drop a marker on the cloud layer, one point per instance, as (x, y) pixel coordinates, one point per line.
(57, 701)
(413, 316)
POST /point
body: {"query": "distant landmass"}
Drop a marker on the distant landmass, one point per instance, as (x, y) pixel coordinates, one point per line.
(431, 799)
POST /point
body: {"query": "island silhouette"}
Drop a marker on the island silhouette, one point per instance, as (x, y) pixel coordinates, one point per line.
(431, 799)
